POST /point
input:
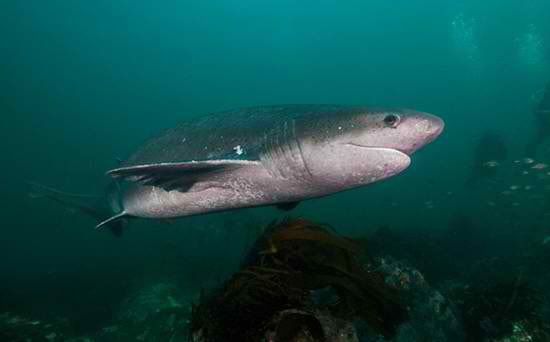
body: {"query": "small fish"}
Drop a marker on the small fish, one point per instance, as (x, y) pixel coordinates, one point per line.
(514, 187)
(528, 161)
(491, 163)
(539, 166)
(528, 187)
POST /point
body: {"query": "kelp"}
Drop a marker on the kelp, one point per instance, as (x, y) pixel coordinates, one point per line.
(285, 268)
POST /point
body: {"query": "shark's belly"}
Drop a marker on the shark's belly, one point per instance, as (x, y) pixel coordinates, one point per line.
(205, 197)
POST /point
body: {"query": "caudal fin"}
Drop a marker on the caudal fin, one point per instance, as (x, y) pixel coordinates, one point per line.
(40, 190)
(90, 205)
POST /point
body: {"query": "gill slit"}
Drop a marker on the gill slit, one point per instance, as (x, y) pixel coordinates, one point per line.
(300, 152)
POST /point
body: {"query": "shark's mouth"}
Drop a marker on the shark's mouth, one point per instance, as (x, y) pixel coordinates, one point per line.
(392, 160)
(381, 149)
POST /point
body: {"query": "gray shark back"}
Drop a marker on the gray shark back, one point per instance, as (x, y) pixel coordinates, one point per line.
(236, 134)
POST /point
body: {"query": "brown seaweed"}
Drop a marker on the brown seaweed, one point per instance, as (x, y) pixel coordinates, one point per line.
(293, 259)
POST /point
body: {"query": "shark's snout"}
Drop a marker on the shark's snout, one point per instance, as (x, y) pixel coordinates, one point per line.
(431, 127)
(421, 129)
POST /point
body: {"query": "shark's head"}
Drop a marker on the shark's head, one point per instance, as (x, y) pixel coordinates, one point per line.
(403, 130)
(363, 146)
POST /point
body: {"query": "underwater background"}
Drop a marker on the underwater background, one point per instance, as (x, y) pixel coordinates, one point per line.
(85, 83)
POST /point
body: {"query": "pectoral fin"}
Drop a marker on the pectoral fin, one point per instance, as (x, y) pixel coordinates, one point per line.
(176, 176)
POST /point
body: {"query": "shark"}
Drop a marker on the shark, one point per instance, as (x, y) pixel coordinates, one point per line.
(268, 155)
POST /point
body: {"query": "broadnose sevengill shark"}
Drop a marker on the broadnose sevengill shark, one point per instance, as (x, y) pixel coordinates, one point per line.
(268, 155)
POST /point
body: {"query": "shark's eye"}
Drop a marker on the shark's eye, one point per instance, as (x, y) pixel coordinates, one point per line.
(392, 120)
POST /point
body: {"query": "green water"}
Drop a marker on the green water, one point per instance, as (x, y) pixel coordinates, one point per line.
(84, 83)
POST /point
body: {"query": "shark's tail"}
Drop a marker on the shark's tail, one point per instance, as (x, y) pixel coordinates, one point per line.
(41, 191)
(90, 205)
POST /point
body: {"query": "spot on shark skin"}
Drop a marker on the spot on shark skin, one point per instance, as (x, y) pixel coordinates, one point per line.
(238, 150)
